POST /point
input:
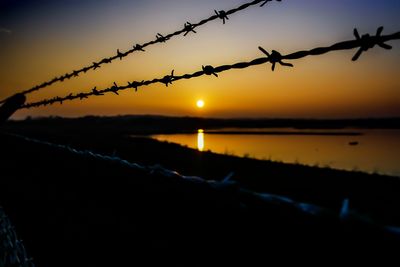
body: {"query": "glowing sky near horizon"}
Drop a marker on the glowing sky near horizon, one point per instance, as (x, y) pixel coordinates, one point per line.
(43, 39)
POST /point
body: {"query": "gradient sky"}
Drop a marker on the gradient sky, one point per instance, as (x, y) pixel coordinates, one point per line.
(43, 39)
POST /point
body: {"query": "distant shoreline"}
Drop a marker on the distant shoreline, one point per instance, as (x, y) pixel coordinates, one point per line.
(152, 125)
(274, 133)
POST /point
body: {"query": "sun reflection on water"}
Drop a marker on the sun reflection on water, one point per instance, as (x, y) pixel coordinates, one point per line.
(200, 140)
(377, 150)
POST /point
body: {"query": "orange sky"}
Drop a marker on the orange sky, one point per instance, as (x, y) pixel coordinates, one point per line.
(43, 47)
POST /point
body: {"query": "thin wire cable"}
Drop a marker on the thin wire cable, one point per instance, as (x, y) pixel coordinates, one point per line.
(363, 44)
(12, 249)
(187, 28)
(346, 215)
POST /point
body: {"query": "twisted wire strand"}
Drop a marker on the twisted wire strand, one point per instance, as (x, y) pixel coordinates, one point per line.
(187, 28)
(12, 249)
(264, 199)
(363, 44)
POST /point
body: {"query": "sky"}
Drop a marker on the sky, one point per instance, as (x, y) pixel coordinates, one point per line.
(43, 39)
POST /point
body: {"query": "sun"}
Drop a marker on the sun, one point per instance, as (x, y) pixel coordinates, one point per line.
(200, 103)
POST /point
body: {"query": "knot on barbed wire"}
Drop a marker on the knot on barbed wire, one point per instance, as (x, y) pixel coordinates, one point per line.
(362, 43)
(161, 38)
(275, 57)
(222, 15)
(50, 101)
(104, 61)
(266, 1)
(75, 73)
(95, 65)
(168, 79)
(58, 99)
(189, 27)
(115, 88)
(367, 42)
(12, 249)
(120, 55)
(138, 47)
(70, 97)
(209, 70)
(135, 85)
(82, 96)
(95, 92)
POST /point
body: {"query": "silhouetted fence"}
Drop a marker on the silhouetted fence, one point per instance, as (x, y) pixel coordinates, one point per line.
(363, 43)
(187, 28)
(12, 250)
(243, 198)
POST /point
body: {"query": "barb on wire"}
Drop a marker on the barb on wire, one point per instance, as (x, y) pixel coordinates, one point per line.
(135, 85)
(242, 197)
(120, 55)
(222, 15)
(209, 70)
(96, 65)
(168, 79)
(161, 38)
(115, 88)
(367, 42)
(12, 250)
(95, 92)
(274, 58)
(188, 27)
(138, 47)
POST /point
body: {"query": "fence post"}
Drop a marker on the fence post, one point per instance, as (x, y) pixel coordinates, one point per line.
(10, 106)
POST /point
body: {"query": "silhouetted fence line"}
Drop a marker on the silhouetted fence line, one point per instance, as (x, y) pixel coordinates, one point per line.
(187, 28)
(363, 43)
(244, 198)
(12, 250)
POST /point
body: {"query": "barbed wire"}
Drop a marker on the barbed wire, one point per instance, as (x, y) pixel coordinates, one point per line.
(187, 28)
(12, 250)
(363, 43)
(263, 200)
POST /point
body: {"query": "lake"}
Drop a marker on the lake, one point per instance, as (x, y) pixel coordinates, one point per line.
(372, 151)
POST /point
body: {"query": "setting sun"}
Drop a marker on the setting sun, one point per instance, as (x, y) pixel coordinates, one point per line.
(200, 103)
(182, 107)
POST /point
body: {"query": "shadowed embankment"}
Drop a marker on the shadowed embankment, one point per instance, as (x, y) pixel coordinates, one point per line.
(72, 210)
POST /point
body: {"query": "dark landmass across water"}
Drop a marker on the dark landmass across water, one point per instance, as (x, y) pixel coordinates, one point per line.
(149, 124)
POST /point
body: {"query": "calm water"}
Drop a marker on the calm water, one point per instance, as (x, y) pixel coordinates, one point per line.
(373, 151)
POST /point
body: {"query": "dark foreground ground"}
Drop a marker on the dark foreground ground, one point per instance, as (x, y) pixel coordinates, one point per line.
(73, 210)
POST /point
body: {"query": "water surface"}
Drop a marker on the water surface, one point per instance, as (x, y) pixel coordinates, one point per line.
(363, 150)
